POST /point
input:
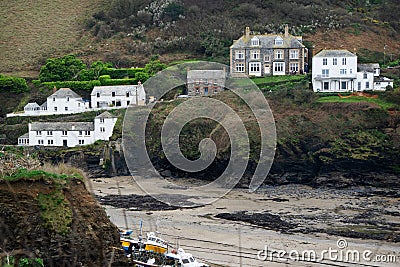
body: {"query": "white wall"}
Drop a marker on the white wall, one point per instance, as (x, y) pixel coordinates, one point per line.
(74, 105)
(108, 125)
(362, 82)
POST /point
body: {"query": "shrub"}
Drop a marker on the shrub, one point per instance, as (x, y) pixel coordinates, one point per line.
(13, 84)
(74, 85)
(121, 73)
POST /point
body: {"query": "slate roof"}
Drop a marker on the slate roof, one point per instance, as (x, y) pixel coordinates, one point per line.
(368, 67)
(62, 126)
(206, 74)
(268, 41)
(64, 93)
(335, 53)
(32, 105)
(120, 90)
(106, 114)
(24, 136)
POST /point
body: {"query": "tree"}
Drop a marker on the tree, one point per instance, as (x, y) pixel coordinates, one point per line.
(66, 68)
(154, 66)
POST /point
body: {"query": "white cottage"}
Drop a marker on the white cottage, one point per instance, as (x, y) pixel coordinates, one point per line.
(334, 71)
(118, 96)
(338, 71)
(69, 134)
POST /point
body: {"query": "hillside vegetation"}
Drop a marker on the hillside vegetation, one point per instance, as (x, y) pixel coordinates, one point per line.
(128, 32)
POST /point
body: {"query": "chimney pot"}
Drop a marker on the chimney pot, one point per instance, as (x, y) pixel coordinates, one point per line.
(286, 30)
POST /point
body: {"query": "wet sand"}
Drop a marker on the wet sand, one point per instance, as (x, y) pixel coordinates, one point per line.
(368, 219)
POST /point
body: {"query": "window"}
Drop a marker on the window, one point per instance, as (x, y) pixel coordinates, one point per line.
(324, 61)
(113, 94)
(102, 129)
(325, 73)
(81, 142)
(344, 85)
(326, 85)
(267, 58)
(66, 108)
(278, 54)
(239, 55)
(38, 132)
(344, 61)
(365, 75)
(294, 67)
(67, 99)
(335, 61)
(294, 54)
(359, 86)
(366, 85)
(278, 66)
(101, 120)
(55, 108)
(343, 71)
(64, 133)
(278, 41)
(254, 67)
(127, 94)
(54, 99)
(49, 133)
(50, 142)
(87, 132)
(40, 142)
(128, 103)
(80, 132)
(240, 67)
(255, 41)
(98, 94)
(254, 54)
(351, 71)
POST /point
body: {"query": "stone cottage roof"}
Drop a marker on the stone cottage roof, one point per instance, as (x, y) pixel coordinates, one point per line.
(62, 126)
(367, 67)
(335, 53)
(106, 114)
(268, 41)
(120, 90)
(206, 74)
(64, 93)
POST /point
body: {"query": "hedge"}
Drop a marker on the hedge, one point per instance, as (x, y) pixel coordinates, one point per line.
(13, 84)
(121, 73)
(74, 85)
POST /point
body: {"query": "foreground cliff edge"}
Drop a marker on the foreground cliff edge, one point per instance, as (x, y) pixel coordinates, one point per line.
(54, 218)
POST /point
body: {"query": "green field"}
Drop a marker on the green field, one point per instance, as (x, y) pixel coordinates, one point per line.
(354, 99)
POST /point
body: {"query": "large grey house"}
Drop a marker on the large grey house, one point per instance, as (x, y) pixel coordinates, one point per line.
(268, 54)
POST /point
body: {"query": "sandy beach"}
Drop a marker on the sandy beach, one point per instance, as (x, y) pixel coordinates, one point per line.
(343, 227)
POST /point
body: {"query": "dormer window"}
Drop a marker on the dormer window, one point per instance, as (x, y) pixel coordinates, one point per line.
(278, 41)
(255, 41)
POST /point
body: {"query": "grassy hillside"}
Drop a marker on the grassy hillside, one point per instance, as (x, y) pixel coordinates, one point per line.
(128, 32)
(31, 31)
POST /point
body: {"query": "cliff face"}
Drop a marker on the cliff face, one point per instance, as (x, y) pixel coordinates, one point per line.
(63, 226)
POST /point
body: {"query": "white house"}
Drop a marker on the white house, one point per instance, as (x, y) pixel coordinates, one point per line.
(62, 101)
(118, 96)
(334, 71)
(338, 71)
(69, 134)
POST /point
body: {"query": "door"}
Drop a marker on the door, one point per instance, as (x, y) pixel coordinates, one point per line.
(65, 143)
(205, 90)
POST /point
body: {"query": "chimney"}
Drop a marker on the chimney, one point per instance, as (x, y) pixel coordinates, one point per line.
(247, 32)
(139, 83)
(286, 30)
(54, 89)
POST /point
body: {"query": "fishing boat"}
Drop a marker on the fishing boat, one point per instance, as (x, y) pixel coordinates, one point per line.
(184, 259)
(155, 244)
(128, 243)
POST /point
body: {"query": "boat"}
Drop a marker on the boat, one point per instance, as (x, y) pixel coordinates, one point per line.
(128, 243)
(184, 259)
(155, 244)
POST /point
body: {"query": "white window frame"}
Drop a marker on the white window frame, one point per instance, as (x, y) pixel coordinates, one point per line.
(278, 41)
(279, 67)
(325, 61)
(279, 54)
(294, 54)
(239, 67)
(254, 67)
(343, 71)
(334, 61)
(344, 61)
(239, 55)
(294, 67)
(325, 73)
(254, 54)
(64, 133)
(255, 41)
